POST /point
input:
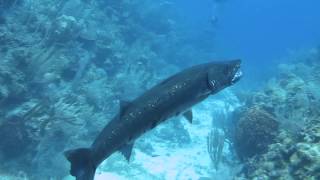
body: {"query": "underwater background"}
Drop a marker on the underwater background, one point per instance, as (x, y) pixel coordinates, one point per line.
(66, 64)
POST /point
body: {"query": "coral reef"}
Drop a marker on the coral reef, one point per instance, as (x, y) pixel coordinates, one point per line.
(288, 158)
(293, 99)
(64, 67)
(254, 131)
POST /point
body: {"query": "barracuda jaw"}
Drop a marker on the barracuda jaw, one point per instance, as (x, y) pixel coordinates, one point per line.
(237, 76)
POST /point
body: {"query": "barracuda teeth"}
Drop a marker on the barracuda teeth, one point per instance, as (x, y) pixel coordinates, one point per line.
(237, 76)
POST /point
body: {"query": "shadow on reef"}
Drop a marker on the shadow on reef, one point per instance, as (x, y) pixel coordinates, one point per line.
(278, 132)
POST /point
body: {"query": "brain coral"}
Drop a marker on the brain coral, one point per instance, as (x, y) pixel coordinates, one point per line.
(254, 131)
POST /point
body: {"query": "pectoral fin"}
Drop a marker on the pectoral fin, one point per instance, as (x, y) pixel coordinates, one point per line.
(126, 151)
(188, 115)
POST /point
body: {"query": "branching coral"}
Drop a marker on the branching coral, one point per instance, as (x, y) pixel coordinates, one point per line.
(215, 144)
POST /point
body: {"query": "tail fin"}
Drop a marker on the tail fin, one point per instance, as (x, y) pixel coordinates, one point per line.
(81, 163)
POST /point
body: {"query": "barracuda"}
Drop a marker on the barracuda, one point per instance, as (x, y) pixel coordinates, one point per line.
(174, 96)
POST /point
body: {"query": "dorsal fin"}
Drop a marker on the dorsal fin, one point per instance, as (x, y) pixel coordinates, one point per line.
(126, 151)
(188, 115)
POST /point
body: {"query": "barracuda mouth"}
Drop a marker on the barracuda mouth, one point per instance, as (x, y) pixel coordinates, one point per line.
(237, 75)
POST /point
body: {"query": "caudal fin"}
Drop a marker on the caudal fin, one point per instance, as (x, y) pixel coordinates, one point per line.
(81, 163)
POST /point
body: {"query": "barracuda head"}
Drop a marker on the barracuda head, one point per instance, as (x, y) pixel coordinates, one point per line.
(223, 74)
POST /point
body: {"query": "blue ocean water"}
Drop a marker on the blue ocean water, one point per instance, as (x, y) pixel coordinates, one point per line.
(260, 32)
(78, 73)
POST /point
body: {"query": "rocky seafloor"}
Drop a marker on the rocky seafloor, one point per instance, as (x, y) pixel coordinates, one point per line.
(65, 65)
